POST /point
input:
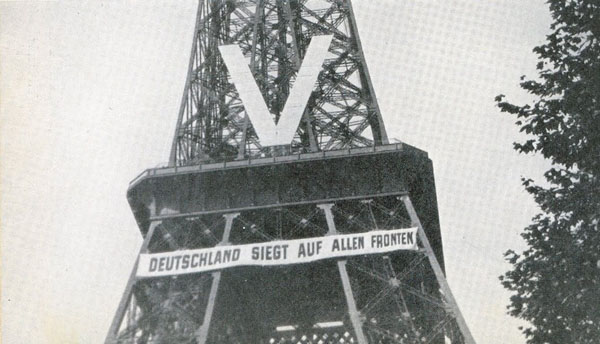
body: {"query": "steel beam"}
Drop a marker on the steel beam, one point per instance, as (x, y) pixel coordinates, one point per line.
(113, 331)
(382, 132)
(202, 333)
(270, 206)
(173, 155)
(353, 312)
(437, 269)
(210, 124)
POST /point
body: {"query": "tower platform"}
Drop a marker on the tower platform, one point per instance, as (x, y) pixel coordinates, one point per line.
(310, 162)
(290, 180)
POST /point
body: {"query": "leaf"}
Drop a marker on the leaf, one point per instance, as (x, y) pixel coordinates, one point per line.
(555, 281)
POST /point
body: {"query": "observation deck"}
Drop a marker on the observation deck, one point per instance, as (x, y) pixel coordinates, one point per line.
(289, 180)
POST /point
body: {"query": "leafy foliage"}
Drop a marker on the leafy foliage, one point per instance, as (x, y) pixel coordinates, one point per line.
(556, 280)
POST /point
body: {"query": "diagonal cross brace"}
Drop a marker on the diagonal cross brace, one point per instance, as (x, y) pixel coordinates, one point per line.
(439, 274)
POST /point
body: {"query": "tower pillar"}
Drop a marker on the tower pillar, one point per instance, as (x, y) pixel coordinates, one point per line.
(355, 316)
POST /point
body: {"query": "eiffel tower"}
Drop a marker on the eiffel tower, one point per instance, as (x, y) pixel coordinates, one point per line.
(323, 167)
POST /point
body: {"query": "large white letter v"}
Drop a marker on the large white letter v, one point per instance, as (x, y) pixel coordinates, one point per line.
(282, 133)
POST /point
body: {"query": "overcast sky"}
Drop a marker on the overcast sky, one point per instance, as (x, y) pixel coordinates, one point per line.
(89, 98)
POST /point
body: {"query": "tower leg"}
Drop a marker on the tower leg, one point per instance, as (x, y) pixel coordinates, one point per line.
(111, 337)
(439, 274)
(352, 310)
(214, 287)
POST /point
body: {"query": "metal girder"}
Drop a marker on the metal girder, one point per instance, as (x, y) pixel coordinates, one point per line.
(274, 35)
(216, 279)
(353, 313)
(126, 299)
(393, 297)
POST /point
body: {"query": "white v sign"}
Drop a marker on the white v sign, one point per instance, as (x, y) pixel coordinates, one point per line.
(282, 133)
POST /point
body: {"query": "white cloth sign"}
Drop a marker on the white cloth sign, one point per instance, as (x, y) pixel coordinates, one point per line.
(280, 252)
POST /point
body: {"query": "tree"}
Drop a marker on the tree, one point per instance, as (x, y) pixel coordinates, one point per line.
(555, 282)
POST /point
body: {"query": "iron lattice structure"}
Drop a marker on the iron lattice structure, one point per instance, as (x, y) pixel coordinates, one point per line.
(339, 175)
(397, 300)
(274, 36)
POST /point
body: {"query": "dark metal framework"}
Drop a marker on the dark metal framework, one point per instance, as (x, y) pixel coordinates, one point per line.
(389, 298)
(326, 182)
(274, 35)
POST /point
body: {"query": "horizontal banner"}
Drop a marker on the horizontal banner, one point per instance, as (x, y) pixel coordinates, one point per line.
(281, 252)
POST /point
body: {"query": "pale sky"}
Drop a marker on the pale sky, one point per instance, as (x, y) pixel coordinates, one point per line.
(89, 94)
